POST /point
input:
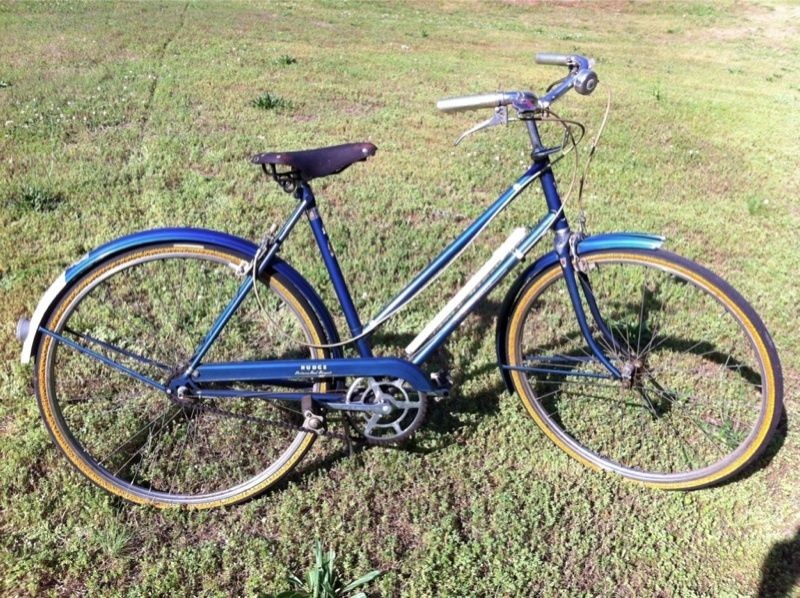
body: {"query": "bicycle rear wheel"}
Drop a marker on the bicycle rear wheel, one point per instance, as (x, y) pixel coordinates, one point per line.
(148, 309)
(703, 392)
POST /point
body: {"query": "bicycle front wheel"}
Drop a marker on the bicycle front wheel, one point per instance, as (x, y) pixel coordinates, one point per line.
(148, 309)
(703, 387)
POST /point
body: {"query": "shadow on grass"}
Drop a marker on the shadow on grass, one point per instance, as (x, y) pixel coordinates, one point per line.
(780, 573)
(446, 418)
(774, 446)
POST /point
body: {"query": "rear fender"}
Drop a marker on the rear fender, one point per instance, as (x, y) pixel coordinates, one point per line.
(168, 235)
(588, 245)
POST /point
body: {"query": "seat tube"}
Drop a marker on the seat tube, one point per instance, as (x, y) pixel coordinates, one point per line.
(335, 271)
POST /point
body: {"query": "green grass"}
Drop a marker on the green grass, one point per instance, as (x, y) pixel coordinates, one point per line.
(116, 117)
(33, 199)
(268, 101)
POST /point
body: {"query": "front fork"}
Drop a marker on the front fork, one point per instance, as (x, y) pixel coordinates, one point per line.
(565, 247)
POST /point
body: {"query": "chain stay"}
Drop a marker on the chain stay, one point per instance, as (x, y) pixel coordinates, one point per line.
(322, 431)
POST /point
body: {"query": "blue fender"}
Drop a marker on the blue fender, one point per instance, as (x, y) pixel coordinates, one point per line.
(591, 244)
(169, 235)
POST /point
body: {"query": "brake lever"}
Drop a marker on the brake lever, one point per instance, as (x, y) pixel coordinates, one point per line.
(500, 117)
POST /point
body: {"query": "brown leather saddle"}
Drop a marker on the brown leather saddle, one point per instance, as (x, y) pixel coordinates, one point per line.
(310, 164)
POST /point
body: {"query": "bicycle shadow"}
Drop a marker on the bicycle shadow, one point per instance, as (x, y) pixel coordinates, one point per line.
(458, 414)
(780, 572)
(709, 352)
(452, 418)
(449, 419)
(774, 446)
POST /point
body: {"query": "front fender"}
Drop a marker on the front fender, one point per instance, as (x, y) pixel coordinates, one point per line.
(588, 245)
(167, 235)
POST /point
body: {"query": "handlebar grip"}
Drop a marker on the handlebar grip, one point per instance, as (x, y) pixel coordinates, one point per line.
(553, 59)
(484, 100)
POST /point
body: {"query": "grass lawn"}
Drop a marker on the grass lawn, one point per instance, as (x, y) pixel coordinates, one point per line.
(116, 117)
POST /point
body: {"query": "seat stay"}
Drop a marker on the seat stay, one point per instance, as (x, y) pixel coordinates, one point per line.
(245, 287)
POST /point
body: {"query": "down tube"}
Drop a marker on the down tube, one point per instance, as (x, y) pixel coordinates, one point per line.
(452, 251)
(484, 289)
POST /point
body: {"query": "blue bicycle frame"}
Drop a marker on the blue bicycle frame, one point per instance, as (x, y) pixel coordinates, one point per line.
(301, 374)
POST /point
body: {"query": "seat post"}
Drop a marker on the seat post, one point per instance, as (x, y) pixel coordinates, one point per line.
(334, 270)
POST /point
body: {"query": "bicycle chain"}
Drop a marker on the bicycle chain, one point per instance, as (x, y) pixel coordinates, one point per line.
(285, 425)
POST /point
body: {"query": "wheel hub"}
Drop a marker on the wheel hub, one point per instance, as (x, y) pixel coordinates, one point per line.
(183, 397)
(632, 371)
(180, 389)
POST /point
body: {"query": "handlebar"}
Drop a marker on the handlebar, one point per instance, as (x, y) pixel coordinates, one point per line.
(553, 59)
(574, 61)
(581, 78)
(483, 100)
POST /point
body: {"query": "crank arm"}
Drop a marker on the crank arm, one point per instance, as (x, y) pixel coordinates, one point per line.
(380, 408)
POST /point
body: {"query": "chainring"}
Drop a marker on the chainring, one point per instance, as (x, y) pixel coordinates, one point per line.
(409, 408)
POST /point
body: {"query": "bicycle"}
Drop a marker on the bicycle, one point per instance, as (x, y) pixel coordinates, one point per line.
(188, 367)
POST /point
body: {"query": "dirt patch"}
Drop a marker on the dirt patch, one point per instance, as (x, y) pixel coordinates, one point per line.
(249, 19)
(54, 51)
(778, 24)
(304, 118)
(360, 109)
(607, 6)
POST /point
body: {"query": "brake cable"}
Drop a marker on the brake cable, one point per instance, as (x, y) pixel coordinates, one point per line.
(595, 141)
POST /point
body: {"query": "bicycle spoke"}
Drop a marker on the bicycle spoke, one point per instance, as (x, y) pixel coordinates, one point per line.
(179, 461)
(617, 401)
(150, 436)
(687, 403)
(152, 309)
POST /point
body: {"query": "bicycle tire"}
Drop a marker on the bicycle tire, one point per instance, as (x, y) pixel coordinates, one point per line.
(673, 311)
(152, 305)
